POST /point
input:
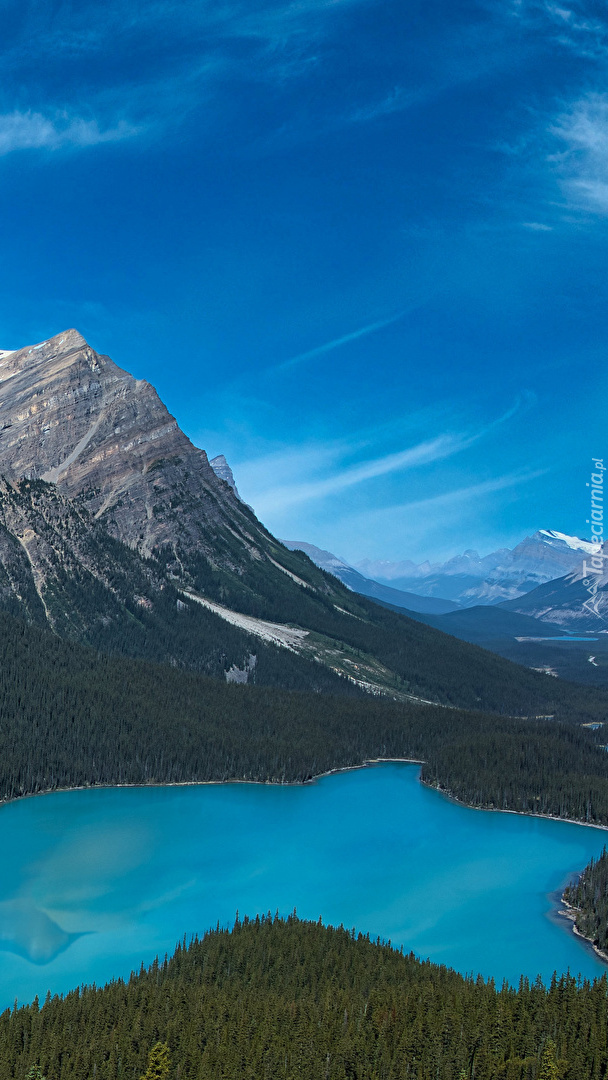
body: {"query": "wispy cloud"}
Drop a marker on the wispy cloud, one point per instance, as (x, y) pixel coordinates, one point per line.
(337, 343)
(289, 489)
(567, 141)
(577, 25)
(34, 131)
(420, 522)
(152, 63)
(563, 156)
(279, 24)
(582, 154)
(161, 32)
(397, 100)
(463, 55)
(537, 226)
(168, 58)
(423, 453)
(463, 496)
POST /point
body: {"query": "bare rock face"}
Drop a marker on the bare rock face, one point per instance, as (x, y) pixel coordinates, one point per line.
(52, 555)
(222, 469)
(73, 418)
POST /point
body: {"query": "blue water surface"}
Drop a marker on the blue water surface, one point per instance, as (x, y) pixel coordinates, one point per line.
(94, 882)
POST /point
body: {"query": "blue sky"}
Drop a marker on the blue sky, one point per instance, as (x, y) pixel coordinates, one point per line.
(359, 248)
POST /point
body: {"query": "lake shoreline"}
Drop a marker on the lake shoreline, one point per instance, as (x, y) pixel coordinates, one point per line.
(303, 783)
(570, 914)
(370, 762)
(498, 810)
(123, 829)
(566, 914)
(210, 783)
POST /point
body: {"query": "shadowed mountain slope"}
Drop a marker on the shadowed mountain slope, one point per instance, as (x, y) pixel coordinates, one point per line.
(577, 601)
(118, 533)
(366, 586)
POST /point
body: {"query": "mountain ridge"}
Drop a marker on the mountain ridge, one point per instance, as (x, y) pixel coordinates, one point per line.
(72, 417)
(367, 586)
(576, 601)
(93, 458)
(503, 575)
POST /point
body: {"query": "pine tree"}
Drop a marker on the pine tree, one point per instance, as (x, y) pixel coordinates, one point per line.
(35, 1073)
(159, 1063)
(548, 1063)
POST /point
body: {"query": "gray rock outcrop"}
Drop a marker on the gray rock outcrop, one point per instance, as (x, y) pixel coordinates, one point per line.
(72, 417)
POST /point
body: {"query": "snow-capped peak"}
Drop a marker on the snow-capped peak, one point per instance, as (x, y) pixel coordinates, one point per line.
(572, 542)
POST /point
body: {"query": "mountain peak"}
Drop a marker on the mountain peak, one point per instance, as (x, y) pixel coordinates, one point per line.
(550, 536)
(72, 417)
(222, 469)
(67, 339)
(325, 559)
(58, 343)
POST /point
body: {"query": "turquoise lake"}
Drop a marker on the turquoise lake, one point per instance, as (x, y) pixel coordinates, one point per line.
(94, 882)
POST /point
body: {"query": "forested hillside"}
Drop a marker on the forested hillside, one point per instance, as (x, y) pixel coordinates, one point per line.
(61, 569)
(71, 716)
(277, 998)
(588, 898)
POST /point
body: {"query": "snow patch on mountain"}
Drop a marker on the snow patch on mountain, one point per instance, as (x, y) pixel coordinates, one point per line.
(572, 542)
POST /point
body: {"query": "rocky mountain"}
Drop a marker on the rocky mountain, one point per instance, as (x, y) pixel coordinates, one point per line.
(115, 531)
(72, 417)
(222, 469)
(109, 514)
(577, 601)
(60, 569)
(472, 579)
(366, 586)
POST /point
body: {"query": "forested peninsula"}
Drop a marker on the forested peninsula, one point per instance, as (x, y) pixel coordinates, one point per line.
(283, 999)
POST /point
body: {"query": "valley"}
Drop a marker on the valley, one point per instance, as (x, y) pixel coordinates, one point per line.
(546, 627)
(153, 634)
(303, 581)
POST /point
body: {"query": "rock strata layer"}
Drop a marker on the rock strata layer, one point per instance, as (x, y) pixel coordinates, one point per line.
(72, 417)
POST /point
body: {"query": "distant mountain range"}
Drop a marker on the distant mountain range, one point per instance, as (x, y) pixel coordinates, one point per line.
(517, 628)
(471, 579)
(366, 586)
(116, 531)
(535, 570)
(574, 602)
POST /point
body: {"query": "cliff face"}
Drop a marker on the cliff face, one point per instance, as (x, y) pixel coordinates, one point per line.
(72, 417)
(115, 530)
(59, 566)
